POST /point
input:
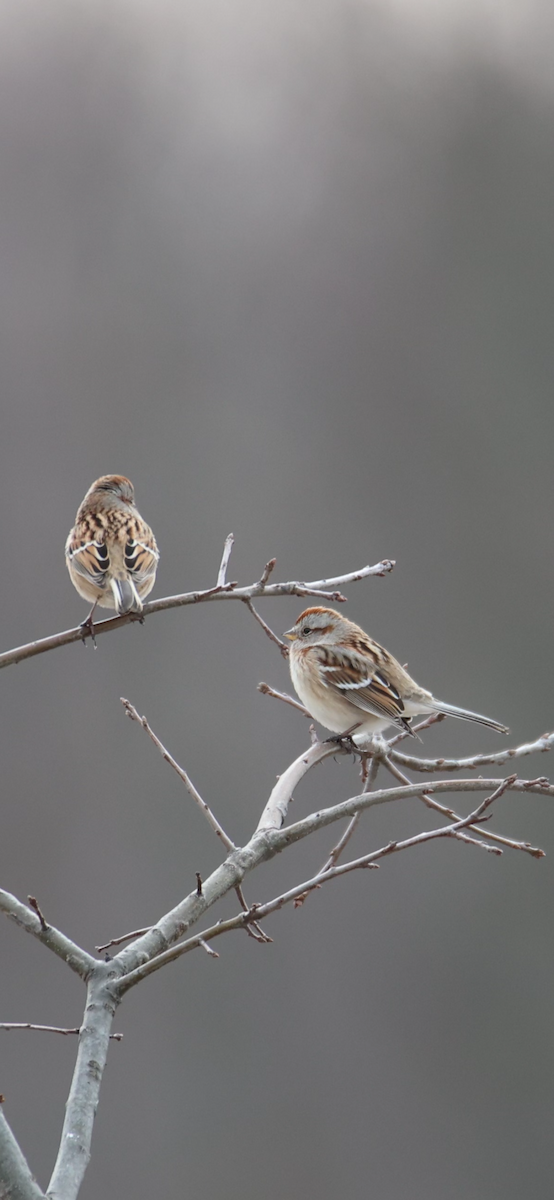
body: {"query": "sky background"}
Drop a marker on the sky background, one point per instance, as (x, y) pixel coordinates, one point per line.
(288, 267)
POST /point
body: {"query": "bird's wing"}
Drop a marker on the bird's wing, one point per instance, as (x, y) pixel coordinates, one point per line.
(89, 558)
(360, 680)
(141, 553)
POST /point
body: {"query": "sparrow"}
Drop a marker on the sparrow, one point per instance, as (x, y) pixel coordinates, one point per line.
(111, 553)
(345, 679)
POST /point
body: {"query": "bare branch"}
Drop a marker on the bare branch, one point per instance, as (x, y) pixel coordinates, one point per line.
(270, 839)
(208, 949)
(472, 841)
(213, 821)
(34, 905)
(267, 571)
(276, 808)
(271, 635)
(254, 929)
(115, 1037)
(259, 911)
(449, 812)
(322, 588)
(222, 573)
(398, 774)
(428, 765)
(343, 841)
(323, 817)
(228, 875)
(266, 690)
(74, 1152)
(16, 1180)
(125, 937)
(72, 954)
(381, 569)
(371, 859)
(174, 952)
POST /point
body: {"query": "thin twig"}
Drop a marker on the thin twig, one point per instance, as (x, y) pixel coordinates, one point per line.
(271, 635)
(322, 588)
(343, 841)
(267, 571)
(125, 937)
(115, 1037)
(212, 820)
(34, 905)
(455, 816)
(473, 841)
(222, 573)
(254, 930)
(266, 690)
(428, 765)
(208, 949)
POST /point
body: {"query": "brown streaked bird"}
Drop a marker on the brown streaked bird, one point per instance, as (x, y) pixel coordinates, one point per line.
(111, 553)
(345, 679)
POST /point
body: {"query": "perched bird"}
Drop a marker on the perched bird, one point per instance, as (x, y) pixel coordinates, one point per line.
(345, 679)
(111, 553)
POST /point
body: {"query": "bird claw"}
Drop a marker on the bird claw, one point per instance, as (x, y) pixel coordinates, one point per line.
(88, 626)
(344, 741)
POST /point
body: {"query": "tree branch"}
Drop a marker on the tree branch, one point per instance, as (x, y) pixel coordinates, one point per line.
(275, 811)
(266, 690)
(267, 571)
(213, 821)
(115, 1037)
(270, 634)
(74, 1152)
(334, 855)
(16, 1180)
(260, 911)
(542, 744)
(72, 954)
(124, 937)
(222, 573)
(326, 816)
(454, 816)
(270, 839)
(322, 588)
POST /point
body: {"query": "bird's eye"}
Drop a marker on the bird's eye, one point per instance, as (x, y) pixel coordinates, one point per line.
(306, 630)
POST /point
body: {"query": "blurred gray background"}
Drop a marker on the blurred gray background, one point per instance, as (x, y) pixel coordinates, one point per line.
(289, 267)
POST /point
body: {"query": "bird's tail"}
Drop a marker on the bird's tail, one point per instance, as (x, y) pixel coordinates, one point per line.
(125, 596)
(450, 710)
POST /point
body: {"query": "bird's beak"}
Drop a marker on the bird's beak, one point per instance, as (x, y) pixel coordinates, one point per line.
(290, 634)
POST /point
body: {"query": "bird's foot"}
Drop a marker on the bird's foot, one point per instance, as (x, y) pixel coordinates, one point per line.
(88, 627)
(345, 740)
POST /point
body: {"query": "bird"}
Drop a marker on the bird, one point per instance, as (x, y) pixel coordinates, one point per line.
(111, 553)
(352, 685)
